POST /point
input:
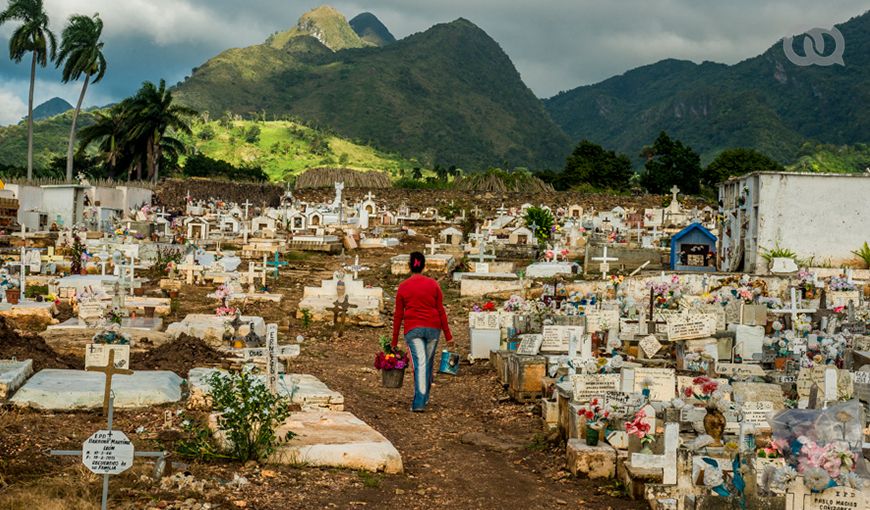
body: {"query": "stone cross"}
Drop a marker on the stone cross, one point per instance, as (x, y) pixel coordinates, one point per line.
(370, 196)
(247, 204)
(666, 462)
(110, 370)
(432, 246)
(794, 309)
(476, 211)
(675, 190)
(604, 267)
(132, 284)
(251, 277)
(355, 267)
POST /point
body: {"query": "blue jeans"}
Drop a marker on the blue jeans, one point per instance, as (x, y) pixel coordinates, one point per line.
(423, 343)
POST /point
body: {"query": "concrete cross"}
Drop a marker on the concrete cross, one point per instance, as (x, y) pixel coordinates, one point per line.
(794, 309)
(370, 196)
(22, 275)
(190, 267)
(110, 370)
(667, 462)
(247, 204)
(675, 190)
(604, 267)
(355, 267)
(432, 246)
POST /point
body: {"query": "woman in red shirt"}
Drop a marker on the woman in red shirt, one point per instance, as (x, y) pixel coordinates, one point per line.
(420, 304)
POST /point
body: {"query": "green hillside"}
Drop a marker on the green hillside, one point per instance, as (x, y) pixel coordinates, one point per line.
(766, 103)
(50, 108)
(447, 96)
(285, 148)
(831, 158)
(50, 139)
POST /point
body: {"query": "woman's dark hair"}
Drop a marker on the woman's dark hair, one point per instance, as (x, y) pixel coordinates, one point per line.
(417, 262)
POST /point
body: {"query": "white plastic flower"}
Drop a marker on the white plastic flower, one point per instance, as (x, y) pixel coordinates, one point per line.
(851, 480)
(777, 326)
(678, 403)
(617, 362)
(816, 479)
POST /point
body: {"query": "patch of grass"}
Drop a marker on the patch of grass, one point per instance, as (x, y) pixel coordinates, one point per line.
(369, 480)
(614, 489)
(539, 443)
(80, 491)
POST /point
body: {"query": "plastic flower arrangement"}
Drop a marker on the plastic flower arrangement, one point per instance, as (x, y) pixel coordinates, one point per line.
(389, 358)
(711, 392)
(225, 311)
(841, 283)
(640, 429)
(489, 306)
(595, 413)
(616, 280)
(666, 294)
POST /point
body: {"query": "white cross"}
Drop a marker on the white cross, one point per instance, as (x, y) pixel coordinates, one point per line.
(23, 271)
(133, 274)
(849, 275)
(370, 196)
(793, 309)
(666, 462)
(189, 267)
(604, 267)
(675, 190)
(252, 277)
(355, 267)
(432, 246)
(247, 204)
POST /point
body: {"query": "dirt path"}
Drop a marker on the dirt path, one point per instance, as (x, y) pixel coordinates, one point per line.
(472, 449)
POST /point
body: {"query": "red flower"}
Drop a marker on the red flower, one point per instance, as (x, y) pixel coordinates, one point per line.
(688, 392)
(489, 306)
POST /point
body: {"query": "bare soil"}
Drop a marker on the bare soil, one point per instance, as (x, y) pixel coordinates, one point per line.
(473, 448)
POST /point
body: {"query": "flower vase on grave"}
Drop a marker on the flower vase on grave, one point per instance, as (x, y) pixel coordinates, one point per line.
(593, 434)
(779, 362)
(12, 296)
(714, 425)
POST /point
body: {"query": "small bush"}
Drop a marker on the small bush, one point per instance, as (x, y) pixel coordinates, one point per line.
(543, 221)
(864, 254)
(248, 414)
(778, 253)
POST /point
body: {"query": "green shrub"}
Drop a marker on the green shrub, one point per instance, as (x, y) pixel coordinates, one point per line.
(864, 254)
(778, 253)
(543, 222)
(248, 414)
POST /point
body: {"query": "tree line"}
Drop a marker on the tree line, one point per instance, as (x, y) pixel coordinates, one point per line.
(667, 162)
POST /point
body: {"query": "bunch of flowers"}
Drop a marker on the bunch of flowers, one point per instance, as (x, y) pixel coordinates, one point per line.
(841, 283)
(225, 311)
(827, 466)
(711, 392)
(489, 306)
(389, 358)
(666, 294)
(114, 316)
(224, 293)
(639, 428)
(806, 279)
(616, 280)
(514, 304)
(595, 412)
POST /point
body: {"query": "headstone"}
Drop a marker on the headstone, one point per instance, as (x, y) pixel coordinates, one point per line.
(757, 413)
(666, 462)
(590, 386)
(662, 382)
(97, 355)
(691, 327)
(558, 338)
(650, 345)
(739, 370)
(530, 345)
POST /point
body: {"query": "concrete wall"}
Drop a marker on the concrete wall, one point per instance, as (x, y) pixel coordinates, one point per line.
(824, 216)
(29, 199)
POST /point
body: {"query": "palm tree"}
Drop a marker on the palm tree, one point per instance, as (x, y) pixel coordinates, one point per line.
(109, 131)
(154, 118)
(32, 36)
(81, 52)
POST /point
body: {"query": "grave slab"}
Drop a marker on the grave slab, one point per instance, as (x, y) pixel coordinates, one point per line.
(303, 389)
(548, 269)
(66, 390)
(591, 461)
(334, 439)
(210, 328)
(28, 316)
(13, 373)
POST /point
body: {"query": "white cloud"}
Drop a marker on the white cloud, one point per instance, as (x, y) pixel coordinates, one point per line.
(12, 108)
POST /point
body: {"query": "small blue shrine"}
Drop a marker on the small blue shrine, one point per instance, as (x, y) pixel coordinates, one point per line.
(693, 249)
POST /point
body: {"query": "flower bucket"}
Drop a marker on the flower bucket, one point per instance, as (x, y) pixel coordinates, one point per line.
(592, 435)
(449, 363)
(12, 296)
(392, 378)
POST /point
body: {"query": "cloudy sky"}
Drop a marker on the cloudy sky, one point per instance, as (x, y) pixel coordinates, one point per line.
(556, 44)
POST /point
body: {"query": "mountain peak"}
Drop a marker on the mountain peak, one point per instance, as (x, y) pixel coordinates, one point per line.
(50, 108)
(324, 23)
(370, 29)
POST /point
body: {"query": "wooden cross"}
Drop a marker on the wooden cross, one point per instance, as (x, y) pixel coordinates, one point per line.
(339, 314)
(604, 267)
(794, 309)
(109, 370)
(190, 267)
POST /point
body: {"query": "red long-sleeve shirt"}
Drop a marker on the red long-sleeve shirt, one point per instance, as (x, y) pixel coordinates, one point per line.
(420, 303)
